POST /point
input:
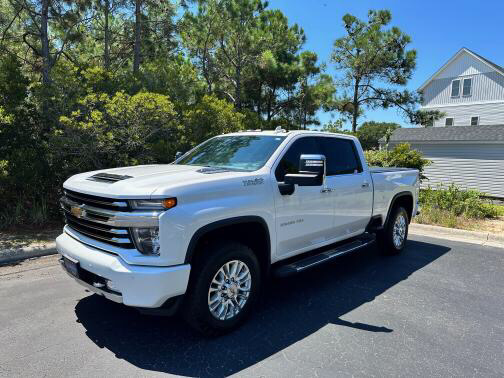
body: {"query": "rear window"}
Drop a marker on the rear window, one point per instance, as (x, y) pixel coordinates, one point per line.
(341, 156)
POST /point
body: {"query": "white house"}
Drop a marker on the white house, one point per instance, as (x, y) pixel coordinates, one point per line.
(469, 89)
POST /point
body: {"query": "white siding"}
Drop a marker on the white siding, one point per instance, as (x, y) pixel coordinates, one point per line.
(464, 64)
(475, 166)
(489, 113)
(487, 86)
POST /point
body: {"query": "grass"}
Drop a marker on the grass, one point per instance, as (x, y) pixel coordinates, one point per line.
(500, 210)
(445, 218)
(455, 207)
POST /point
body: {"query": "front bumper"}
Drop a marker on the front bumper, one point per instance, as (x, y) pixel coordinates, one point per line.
(138, 286)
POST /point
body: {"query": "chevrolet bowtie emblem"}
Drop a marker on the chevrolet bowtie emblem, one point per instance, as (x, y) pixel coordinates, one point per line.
(77, 212)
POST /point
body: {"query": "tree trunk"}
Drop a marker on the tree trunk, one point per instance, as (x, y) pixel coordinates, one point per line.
(238, 103)
(259, 101)
(138, 27)
(106, 54)
(355, 112)
(44, 39)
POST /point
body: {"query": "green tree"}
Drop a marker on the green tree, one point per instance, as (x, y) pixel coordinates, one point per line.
(48, 28)
(119, 130)
(210, 117)
(375, 61)
(315, 90)
(369, 133)
(226, 40)
(13, 84)
(199, 33)
(268, 88)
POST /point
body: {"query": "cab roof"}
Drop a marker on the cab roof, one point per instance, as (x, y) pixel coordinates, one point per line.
(285, 133)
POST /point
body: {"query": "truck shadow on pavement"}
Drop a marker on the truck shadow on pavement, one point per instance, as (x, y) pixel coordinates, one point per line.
(293, 309)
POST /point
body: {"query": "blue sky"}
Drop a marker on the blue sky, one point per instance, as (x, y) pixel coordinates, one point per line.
(438, 30)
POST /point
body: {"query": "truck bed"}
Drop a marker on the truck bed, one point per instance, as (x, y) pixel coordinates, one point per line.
(389, 181)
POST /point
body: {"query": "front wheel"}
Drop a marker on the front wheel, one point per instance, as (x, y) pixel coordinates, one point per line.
(223, 289)
(393, 238)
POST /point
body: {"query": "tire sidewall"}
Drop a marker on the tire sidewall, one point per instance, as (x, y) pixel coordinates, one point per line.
(390, 232)
(205, 271)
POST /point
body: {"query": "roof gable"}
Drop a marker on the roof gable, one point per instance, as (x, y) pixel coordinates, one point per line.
(483, 63)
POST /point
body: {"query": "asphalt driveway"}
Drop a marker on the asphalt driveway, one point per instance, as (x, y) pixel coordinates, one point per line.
(435, 310)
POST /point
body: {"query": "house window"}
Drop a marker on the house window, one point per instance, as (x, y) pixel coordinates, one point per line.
(467, 87)
(455, 89)
(474, 121)
(449, 122)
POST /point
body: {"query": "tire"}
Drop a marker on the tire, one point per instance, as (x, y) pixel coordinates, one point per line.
(203, 292)
(392, 239)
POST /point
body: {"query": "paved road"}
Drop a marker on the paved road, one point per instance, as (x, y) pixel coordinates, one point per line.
(437, 310)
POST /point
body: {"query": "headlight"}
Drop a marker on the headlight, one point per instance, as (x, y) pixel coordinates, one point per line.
(147, 240)
(158, 204)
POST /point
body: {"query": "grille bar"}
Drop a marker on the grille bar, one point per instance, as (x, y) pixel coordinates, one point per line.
(106, 203)
(117, 218)
(99, 227)
(120, 242)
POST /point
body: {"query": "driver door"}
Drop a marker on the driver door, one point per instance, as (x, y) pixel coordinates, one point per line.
(304, 218)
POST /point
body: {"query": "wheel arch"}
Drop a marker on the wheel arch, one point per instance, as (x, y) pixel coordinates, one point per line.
(251, 230)
(405, 199)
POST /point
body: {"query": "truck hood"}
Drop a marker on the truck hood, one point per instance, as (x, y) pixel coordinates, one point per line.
(142, 181)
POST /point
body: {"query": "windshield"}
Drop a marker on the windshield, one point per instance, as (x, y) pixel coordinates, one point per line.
(240, 152)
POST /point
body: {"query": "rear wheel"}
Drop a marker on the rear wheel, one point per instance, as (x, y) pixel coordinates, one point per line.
(393, 237)
(223, 289)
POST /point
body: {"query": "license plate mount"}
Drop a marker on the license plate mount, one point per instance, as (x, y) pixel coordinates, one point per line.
(71, 266)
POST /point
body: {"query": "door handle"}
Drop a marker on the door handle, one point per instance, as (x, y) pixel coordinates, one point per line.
(365, 185)
(326, 190)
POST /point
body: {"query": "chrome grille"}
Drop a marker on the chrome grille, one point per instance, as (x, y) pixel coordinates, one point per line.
(91, 216)
(101, 202)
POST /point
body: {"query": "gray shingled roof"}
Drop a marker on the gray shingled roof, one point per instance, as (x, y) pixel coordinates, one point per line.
(454, 133)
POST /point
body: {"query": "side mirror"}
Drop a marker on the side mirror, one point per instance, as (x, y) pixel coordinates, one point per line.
(312, 171)
(178, 154)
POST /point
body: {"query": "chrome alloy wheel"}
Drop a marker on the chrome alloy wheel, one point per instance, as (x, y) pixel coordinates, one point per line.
(229, 290)
(399, 231)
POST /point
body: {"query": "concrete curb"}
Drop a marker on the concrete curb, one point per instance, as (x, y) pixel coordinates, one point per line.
(477, 237)
(10, 256)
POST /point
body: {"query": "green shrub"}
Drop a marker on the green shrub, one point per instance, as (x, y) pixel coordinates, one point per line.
(401, 156)
(370, 133)
(457, 202)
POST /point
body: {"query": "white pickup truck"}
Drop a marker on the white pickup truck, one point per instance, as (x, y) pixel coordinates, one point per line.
(201, 235)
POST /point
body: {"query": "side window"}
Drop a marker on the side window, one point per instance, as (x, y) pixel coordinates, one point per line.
(341, 156)
(290, 161)
(455, 88)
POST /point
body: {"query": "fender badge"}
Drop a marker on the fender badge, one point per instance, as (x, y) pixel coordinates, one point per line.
(257, 181)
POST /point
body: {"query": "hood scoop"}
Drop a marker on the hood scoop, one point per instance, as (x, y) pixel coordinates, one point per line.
(108, 177)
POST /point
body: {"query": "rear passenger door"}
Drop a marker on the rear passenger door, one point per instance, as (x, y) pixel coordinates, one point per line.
(350, 184)
(305, 218)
